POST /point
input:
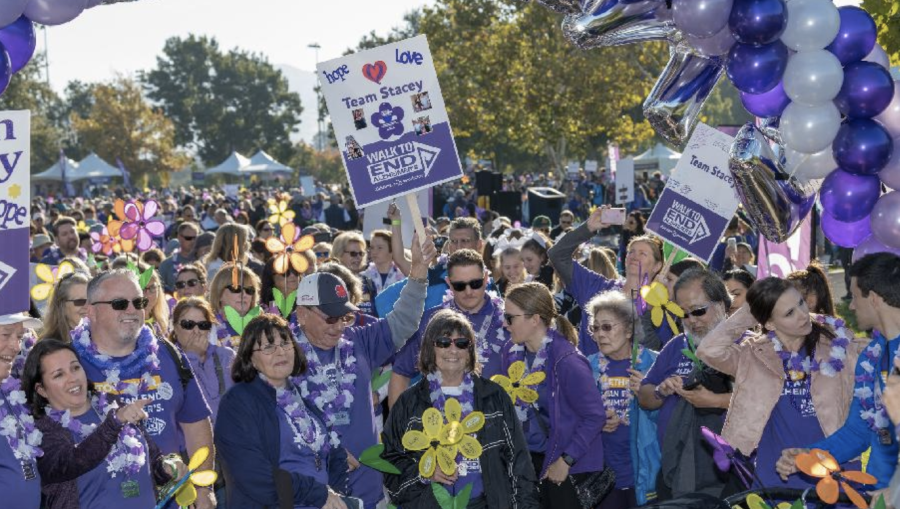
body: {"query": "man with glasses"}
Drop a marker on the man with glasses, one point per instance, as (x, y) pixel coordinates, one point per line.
(566, 221)
(341, 359)
(350, 251)
(671, 384)
(468, 280)
(123, 357)
(168, 269)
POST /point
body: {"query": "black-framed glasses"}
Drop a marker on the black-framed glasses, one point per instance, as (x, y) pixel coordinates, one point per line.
(697, 313)
(355, 254)
(78, 302)
(602, 327)
(509, 318)
(270, 348)
(249, 290)
(122, 304)
(445, 342)
(204, 325)
(181, 285)
(460, 286)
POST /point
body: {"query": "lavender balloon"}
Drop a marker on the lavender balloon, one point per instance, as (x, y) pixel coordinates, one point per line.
(856, 37)
(871, 245)
(756, 69)
(20, 41)
(10, 10)
(54, 12)
(862, 146)
(886, 220)
(5, 69)
(867, 90)
(890, 174)
(701, 18)
(848, 197)
(846, 234)
(890, 117)
(767, 104)
(717, 45)
(758, 21)
(878, 56)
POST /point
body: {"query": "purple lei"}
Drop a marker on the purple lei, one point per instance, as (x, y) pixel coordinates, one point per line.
(316, 387)
(128, 455)
(306, 428)
(225, 333)
(603, 384)
(438, 400)
(517, 353)
(808, 363)
(143, 362)
(28, 342)
(868, 388)
(16, 422)
(484, 348)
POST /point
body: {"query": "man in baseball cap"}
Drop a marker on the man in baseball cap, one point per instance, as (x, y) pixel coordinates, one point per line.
(326, 292)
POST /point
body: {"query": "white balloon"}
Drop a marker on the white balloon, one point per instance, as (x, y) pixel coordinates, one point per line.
(813, 77)
(810, 166)
(810, 129)
(878, 56)
(890, 117)
(811, 24)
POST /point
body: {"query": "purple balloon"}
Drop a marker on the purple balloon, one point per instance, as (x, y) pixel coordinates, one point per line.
(92, 3)
(758, 21)
(756, 69)
(5, 69)
(856, 37)
(701, 18)
(717, 45)
(871, 245)
(55, 12)
(862, 146)
(890, 174)
(848, 197)
(767, 104)
(20, 41)
(886, 220)
(10, 10)
(867, 90)
(845, 234)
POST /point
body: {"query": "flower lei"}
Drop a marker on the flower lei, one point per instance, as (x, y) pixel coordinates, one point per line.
(307, 431)
(466, 399)
(316, 387)
(28, 342)
(517, 353)
(873, 410)
(16, 422)
(808, 364)
(142, 362)
(128, 455)
(483, 346)
(394, 275)
(603, 382)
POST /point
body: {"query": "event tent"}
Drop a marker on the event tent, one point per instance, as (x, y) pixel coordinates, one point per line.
(231, 166)
(659, 158)
(263, 163)
(93, 167)
(54, 173)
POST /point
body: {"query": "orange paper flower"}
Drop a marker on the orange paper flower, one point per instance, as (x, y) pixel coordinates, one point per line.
(288, 250)
(114, 226)
(821, 464)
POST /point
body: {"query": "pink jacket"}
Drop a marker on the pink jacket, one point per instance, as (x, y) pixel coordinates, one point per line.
(759, 379)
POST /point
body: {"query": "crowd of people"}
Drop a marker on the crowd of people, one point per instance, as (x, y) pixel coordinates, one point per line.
(518, 367)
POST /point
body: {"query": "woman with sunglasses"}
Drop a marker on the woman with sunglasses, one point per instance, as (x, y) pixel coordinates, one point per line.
(264, 229)
(629, 436)
(502, 477)
(275, 449)
(232, 303)
(191, 281)
(67, 307)
(563, 425)
(794, 375)
(350, 251)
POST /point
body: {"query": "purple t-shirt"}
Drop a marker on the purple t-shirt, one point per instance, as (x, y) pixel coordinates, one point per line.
(17, 492)
(299, 459)
(616, 445)
(172, 404)
(98, 489)
(407, 359)
(670, 362)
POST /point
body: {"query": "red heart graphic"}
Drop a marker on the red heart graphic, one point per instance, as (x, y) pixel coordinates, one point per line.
(376, 71)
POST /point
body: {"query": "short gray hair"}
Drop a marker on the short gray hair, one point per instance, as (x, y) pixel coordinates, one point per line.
(616, 303)
(710, 282)
(94, 284)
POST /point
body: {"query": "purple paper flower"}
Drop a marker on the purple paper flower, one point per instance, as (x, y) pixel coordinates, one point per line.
(140, 225)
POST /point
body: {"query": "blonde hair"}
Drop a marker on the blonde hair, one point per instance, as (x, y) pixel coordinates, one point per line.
(55, 324)
(340, 245)
(223, 279)
(535, 299)
(223, 244)
(599, 262)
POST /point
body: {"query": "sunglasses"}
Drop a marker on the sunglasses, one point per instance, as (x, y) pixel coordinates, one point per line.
(181, 285)
(322, 254)
(445, 342)
(122, 304)
(605, 327)
(697, 313)
(78, 302)
(189, 238)
(190, 324)
(460, 286)
(249, 290)
(509, 318)
(331, 320)
(266, 229)
(354, 254)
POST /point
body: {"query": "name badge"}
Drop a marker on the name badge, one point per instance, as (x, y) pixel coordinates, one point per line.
(342, 418)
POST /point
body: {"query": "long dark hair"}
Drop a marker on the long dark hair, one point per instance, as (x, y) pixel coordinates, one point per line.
(33, 375)
(762, 297)
(264, 326)
(814, 280)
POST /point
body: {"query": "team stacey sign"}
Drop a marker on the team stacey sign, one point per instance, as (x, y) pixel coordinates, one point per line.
(15, 202)
(389, 120)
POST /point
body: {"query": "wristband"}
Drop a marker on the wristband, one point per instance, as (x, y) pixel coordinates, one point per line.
(395, 222)
(657, 393)
(568, 459)
(420, 280)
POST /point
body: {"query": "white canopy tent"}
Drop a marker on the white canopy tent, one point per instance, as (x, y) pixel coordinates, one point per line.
(231, 166)
(93, 167)
(54, 173)
(659, 158)
(263, 163)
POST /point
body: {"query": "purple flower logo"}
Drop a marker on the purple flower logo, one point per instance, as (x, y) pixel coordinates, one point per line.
(140, 225)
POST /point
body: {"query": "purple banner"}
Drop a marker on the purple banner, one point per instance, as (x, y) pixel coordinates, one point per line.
(14, 271)
(781, 259)
(686, 224)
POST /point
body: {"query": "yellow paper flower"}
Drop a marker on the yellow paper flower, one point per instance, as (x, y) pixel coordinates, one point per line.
(442, 442)
(288, 251)
(49, 276)
(281, 214)
(516, 384)
(754, 501)
(657, 296)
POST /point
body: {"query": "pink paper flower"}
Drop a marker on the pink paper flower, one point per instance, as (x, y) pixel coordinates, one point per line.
(140, 225)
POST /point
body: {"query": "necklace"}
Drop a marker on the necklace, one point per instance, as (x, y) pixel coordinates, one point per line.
(393, 275)
(493, 321)
(868, 387)
(329, 387)
(142, 363)
(835, 362)
(438, 400)
(622, 410)
(305, 427)
(28, 342)
(17, 426)
(517, 353)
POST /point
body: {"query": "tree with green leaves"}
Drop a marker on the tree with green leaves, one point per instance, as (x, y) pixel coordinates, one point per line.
(220, 102)
(886, 14)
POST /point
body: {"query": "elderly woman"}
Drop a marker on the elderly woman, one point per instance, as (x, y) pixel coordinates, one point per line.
(563, 426)
(96, 454)
(67, 307)
(793, 380)
(629, 437)
(242, 299)
(275, 449)
(191, 281)
(502, 477)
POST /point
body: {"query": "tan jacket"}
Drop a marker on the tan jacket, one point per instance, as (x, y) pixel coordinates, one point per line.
(759, 380)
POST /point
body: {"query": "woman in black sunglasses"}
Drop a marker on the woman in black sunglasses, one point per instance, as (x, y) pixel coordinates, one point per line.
(67, 307)
(191, 281)
(502, 476)
(234, 305)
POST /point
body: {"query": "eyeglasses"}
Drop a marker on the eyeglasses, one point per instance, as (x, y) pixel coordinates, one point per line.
(78, 302)
(151, 289)
(445, 342)
(270, 348)
(249, 290)
(266, 229)
(354, 254)
(188, 238)
(190, 324)
(189, 283)
(322, 254)
(604, 327)
(461, 242)
(697, 313)
(460, 286)
(509, 318)
(122, 304)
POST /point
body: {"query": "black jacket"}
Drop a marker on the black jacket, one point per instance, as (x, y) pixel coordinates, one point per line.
(506, 469)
